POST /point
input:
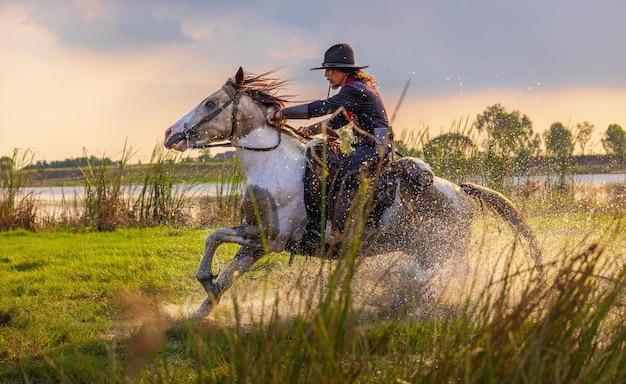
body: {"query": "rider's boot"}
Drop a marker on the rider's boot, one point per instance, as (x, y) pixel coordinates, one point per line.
(341, 212)
(310, 242)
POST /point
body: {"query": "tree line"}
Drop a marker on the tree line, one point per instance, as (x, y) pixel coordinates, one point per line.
(510, 134)
(6, 163)
(499, 143)
(496, 135)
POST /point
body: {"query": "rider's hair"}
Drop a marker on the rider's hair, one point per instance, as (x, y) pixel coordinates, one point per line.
(359, 74)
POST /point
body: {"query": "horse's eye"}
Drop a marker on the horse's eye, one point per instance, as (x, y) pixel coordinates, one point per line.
(209, 104)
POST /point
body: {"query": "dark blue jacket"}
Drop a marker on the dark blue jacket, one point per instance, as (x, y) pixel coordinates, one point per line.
(361, 101)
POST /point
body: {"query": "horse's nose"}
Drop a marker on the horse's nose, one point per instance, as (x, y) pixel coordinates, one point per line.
(168, 134)
(166, 139)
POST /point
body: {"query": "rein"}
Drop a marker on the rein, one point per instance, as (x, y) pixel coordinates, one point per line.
(233, 98)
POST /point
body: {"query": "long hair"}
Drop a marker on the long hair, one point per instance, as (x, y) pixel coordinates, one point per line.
(359, 74)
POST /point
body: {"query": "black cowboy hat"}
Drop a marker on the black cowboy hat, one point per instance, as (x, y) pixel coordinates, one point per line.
(339, 56)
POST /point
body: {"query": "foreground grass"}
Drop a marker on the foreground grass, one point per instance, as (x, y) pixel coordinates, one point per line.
(60, 292)
(87, 307)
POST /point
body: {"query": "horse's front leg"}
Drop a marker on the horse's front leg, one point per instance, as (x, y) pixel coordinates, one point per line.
(244, 259)
(245, 235)
(257, 204)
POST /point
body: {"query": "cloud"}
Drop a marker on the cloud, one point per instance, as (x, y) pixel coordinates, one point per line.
(106, 26)
(448, 46)
(17, 31)
(123, 67)
(457, 46)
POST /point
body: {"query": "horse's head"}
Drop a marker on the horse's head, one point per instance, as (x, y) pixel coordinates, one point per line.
(232, 112)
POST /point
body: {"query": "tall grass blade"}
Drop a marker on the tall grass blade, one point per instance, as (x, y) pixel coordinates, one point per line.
(18, 209)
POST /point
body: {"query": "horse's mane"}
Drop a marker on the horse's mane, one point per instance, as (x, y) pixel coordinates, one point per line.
(263, 88)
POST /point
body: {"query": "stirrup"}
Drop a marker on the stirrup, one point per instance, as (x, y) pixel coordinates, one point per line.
(310, 242)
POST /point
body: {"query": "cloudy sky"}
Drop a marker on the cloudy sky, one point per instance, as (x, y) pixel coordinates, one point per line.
(92, 74)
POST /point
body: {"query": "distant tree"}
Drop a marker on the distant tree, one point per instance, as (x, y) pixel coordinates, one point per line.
(6, 163)
(405, 150)
(454, 144)
(449, 154)
(584, 131)
(559, 142)
(614, 141)
(507, 133)
(204, 156)
(509, 141)
(79, 161)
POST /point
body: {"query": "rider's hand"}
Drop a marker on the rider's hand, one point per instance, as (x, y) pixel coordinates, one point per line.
(334, 145)
(275, 117)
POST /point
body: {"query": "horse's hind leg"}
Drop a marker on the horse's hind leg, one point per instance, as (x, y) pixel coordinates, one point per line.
(241, 263)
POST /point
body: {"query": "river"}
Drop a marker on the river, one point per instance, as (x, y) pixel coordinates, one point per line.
(599, 179)
(78, 191)
(211, 189)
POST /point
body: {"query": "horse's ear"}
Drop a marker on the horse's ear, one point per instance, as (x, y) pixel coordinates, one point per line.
(239, 77)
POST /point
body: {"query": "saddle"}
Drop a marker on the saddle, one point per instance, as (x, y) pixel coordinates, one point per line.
(323, 160)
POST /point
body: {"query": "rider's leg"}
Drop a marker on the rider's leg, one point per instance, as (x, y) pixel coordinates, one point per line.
(311, 239)
(360, 163)
(313, 196)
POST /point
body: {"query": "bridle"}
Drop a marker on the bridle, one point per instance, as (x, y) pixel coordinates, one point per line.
(233, 98)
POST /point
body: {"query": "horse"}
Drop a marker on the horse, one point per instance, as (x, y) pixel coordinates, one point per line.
(431, 224)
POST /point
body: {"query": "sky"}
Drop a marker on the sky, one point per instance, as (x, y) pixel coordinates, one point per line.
(89, 77)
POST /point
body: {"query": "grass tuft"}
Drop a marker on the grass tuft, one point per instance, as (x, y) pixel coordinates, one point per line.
(17, 208)
(104, 193)
(159, 201)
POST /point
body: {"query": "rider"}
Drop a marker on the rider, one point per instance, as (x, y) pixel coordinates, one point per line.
(364, 107)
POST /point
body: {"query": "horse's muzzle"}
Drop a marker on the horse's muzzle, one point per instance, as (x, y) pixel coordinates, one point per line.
(175, 138)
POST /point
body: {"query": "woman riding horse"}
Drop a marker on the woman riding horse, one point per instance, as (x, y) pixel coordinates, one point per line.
(429, 224)
(362, 106)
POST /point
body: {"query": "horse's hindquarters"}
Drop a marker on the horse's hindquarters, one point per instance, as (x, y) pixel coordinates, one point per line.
(433, 225)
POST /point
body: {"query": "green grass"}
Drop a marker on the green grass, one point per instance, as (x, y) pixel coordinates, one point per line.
(79, 306)
(59, 291)
(89, 307)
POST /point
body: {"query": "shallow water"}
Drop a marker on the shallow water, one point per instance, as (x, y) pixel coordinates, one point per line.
(211, 189)
(383, 287)
(603, 178)
(69, 192)
(58, 200)
(396, 285)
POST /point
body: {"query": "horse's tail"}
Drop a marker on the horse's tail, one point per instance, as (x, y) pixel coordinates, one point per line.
(506, 210)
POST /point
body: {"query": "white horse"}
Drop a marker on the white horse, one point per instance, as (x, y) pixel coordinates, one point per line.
(430, 225)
